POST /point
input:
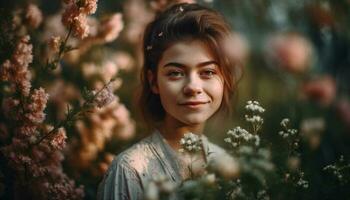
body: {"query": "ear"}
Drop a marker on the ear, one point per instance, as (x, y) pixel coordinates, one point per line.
(152, 80)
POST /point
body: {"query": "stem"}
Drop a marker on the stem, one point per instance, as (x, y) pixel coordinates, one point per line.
(62, 48)
(64, 43)
(71, 116)
(190, 168)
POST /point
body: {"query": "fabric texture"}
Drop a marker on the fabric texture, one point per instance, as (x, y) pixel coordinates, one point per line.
(131, 170)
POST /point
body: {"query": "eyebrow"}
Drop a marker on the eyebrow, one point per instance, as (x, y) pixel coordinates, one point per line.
(175, 64)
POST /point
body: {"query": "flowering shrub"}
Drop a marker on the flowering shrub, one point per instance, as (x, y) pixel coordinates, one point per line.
(35, 138)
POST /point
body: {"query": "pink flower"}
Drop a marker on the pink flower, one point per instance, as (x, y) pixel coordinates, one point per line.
(111, 28)
(22, 56)
(73, 18)
(123, 60)
(290, 51)
(109, 70)
(5, 71)
(27, 130)
(9, 108)
(321, 89)
(89, 6)
(59, 139)
(16, 70)
(236, 47)
(55, 43)
(38, 154)
(19, 143)
(33, 16)
(104, 98)
(22, 80)
(35, 109)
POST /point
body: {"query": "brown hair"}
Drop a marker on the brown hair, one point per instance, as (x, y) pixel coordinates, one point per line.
(178, 23)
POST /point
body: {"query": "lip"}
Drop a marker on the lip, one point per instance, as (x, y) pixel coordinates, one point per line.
(194, 104)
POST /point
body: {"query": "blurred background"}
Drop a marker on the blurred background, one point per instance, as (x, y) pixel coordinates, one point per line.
(296, 62)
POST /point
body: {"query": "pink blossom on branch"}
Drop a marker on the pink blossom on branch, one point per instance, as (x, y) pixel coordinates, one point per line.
(73, 19)
(35, 109)
(111, 27)
(103, 97)
(75, 16)
(16, 70)
(22, 55)
(33, 16)
(290, 51)
(59, 139)
(321, 89)
(88, 6)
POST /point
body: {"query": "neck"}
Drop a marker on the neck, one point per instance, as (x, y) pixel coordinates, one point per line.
(173, 130)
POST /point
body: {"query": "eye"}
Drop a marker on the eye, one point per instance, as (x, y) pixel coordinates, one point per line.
(175, 74)
(208, 73)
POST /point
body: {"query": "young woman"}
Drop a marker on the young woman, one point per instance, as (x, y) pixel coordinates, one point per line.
(187, 77)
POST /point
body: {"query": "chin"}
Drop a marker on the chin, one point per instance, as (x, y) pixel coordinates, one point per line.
(194, 120)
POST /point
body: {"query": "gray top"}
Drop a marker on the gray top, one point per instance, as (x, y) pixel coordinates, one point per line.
(131, 170)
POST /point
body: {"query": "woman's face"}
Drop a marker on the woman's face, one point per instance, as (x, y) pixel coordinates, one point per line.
(189, 82)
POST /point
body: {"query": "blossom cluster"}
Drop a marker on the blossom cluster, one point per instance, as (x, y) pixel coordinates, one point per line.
(340, 170)
(297, 179)
(112, 122)
(225, 166)
(75, 16)
(287, 132)
(253, 116)
(26, 152)
(159, 185)
(302, 182)
(190, 143)
(103, 97)
(290, 135)
(239, 136)
(15, 70)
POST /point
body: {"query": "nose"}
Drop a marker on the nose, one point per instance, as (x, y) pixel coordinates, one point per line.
(192, 86)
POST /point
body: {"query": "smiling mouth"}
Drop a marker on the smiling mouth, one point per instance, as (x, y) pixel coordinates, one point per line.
(194, 104)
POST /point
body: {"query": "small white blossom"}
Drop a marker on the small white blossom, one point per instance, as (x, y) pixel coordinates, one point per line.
(254, 107)
(287, 132)
(225, 166)
(285, 122)
(339, 170)
(302, 182)
(151, 192)
(254, 119)
(239, 136)
(190, 143)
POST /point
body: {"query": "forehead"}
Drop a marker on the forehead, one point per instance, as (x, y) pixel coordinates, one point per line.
(188, 52)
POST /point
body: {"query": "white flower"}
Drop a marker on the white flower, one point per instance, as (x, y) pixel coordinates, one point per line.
(254, 107)
(151, 192)
(238, 135)
(285, 122)
(254, 119)
(190, 143)
(225, 166)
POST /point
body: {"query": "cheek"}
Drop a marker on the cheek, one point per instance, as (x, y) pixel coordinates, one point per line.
(168, 92)
(216, 90)
(167, 87)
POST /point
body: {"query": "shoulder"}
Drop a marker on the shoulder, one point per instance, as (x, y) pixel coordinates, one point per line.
(135, 157)
(123, 180)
